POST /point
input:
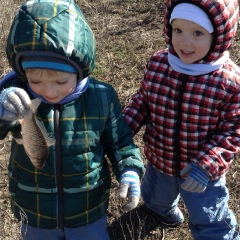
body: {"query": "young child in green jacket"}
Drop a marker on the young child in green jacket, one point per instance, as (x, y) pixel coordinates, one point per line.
(51, 49)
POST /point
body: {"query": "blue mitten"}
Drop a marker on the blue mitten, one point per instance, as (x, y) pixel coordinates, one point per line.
(13, 103)
(197, 179)
(130, 187)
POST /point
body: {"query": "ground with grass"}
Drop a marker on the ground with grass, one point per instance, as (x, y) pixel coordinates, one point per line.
(127, 33)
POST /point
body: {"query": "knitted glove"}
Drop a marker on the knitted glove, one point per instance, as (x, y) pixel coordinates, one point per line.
(130, 186)
(13, 103)
(197, 179)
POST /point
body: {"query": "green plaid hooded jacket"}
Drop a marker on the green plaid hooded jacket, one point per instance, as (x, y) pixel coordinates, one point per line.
(73, 188)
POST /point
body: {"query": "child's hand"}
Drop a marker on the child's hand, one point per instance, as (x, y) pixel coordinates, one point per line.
(197, 179)
(130, 186)
(13, 102)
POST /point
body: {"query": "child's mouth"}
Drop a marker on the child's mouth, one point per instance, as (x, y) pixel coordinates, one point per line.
(186, 52)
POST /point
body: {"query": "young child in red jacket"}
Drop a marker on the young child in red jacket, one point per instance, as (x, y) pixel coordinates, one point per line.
(189, 101)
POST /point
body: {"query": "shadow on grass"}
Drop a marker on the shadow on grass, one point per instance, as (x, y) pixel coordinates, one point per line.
(140, 223)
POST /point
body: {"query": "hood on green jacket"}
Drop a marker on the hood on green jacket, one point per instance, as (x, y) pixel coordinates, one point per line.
(58, 27)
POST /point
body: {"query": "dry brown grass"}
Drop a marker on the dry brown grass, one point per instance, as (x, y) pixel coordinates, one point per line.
(127, 32)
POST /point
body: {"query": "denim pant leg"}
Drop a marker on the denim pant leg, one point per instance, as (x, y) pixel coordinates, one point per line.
(93, 231)
(160, 192)
(32, 233)
(209, 215)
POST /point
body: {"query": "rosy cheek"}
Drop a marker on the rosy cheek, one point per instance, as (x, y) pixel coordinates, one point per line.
(32, 87)
(35, 89)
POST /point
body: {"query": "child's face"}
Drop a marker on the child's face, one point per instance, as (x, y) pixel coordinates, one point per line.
(53, 87)
(190, 41)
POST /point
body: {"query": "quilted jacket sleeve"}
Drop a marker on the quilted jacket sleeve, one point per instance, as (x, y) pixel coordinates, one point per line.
(137, 112)
(218, 152)
(118, 140)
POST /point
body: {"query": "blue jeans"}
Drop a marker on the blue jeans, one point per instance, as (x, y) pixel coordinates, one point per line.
(209, 215)
(93, 231)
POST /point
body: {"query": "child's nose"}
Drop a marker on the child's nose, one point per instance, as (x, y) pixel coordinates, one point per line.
(186, 39)
(48, 90)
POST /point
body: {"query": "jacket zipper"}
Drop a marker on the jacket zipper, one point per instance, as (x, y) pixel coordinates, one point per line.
(178, 127)
(57, 130)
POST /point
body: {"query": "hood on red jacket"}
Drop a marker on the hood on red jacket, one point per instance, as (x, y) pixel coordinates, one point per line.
(224, 17)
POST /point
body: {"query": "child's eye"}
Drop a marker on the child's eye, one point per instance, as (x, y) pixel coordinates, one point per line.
(33, 82)
(177, 30)
(197, 33)
(61, 83)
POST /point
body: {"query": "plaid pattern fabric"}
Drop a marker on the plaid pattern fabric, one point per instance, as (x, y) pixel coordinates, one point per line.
(56, 26)
(187, 118)
(191, 118)
(91, 127)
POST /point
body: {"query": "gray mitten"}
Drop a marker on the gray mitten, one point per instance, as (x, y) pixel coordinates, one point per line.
(14, 102)
(197, 179)
(130, 187)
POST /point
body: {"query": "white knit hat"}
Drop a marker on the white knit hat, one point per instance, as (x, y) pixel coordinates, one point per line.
(192, 13)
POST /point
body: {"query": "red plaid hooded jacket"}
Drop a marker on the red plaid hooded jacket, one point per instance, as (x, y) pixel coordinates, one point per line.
(191, 118)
